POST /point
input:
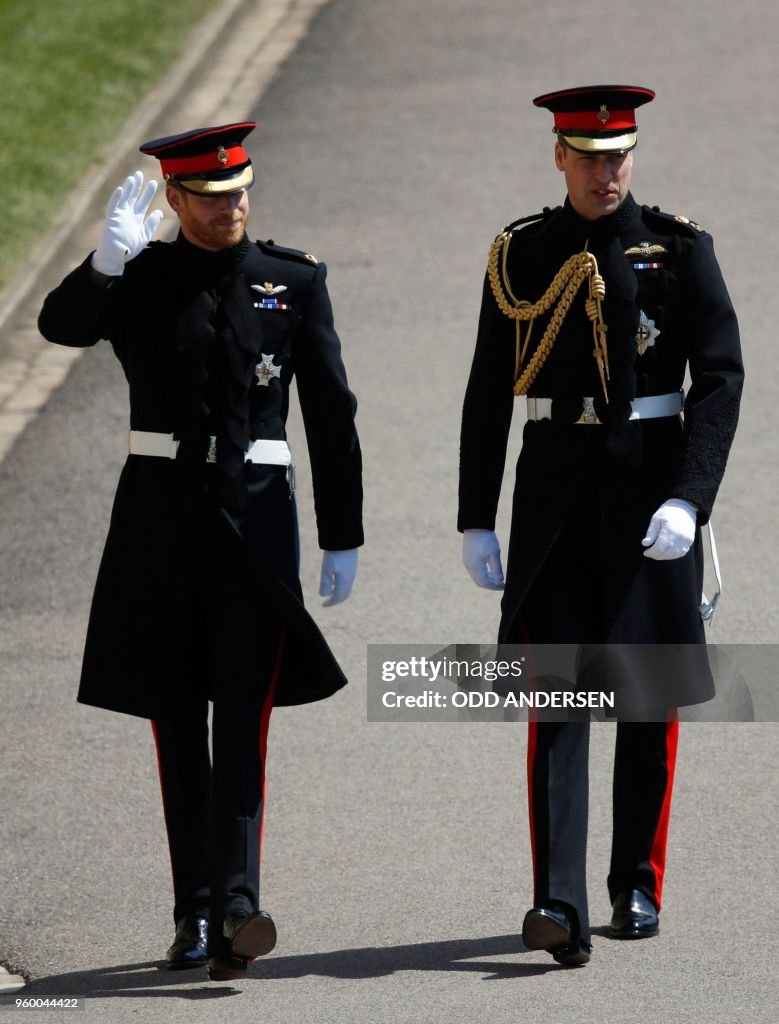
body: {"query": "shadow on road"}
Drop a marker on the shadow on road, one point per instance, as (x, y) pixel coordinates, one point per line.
(150, 979)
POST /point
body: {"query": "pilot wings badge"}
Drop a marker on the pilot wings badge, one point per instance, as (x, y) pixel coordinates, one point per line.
(646, 249)
(269, 291)
(269, 288)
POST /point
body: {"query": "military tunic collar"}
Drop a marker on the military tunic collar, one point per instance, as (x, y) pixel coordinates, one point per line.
(604, 228)
(213, 265)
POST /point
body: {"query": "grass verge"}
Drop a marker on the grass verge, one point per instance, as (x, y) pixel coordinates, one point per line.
(71, 73)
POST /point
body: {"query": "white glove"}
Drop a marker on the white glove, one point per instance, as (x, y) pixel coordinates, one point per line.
(671, 530)
(125, 233)
(481, 555)
(339, 569)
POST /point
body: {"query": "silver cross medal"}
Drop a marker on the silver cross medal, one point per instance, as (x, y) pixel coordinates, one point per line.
(647, 332)
(266, 370)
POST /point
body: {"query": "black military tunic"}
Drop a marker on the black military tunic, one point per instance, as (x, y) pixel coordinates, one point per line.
(190, 331)
(621, 472)
(583, 499)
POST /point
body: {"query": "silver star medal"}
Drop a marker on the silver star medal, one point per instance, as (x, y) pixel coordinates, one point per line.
(647, 332)
(266, 371)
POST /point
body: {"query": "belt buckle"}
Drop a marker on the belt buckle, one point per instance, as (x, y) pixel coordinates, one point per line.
(211, 457)
(588, 416)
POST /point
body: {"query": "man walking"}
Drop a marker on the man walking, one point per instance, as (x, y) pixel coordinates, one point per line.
(198, 598)
(593, 311)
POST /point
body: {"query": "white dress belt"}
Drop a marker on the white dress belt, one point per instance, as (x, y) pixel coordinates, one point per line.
(647, 408)
(264, 452)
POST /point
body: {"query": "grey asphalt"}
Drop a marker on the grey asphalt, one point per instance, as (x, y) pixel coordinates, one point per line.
(394, 145)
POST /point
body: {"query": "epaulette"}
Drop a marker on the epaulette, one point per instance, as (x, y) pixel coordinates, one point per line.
(693, 228)
(272, 249)
(545, 213)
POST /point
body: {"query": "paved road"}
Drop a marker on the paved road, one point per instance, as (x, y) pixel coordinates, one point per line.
(395, 145)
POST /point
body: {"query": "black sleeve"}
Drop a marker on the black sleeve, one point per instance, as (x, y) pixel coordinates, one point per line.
(77, 313)
(328, 409)
(717, 374)
(489, 402)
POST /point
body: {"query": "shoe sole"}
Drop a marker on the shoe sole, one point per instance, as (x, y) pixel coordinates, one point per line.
(186, 965)
(635, 933)
(542, 932)
(572, 955)
(256, 938)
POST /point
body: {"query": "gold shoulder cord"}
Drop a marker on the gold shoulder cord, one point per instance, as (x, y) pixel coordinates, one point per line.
(564, 287)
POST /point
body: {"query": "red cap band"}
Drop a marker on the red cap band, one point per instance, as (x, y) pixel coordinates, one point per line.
(184, 165)
(595, 121)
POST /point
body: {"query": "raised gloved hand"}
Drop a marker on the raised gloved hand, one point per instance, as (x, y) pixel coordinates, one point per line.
(125, 233)
(671, 530)
(481, 556)
(339, 569)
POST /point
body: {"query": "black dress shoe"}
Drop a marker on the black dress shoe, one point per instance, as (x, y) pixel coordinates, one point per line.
(635, 916)
(550, 928)
(189, 945)
(544, 928)
(226, 968)
(249, 936)
(573, 954)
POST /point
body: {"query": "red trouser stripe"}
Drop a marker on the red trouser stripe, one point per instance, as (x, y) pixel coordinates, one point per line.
(162, 792)
(657, 854)
(267, 707)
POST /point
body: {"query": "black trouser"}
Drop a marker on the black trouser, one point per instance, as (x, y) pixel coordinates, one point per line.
(214, 808)
(644, 763)
(566, 605)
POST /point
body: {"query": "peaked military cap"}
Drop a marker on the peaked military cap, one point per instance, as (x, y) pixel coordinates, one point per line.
(596, 118)
(206, 161)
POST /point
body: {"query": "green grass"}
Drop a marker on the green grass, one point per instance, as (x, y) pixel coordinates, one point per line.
(71, 72)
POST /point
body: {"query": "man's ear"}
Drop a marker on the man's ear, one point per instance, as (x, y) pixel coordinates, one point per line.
(173, 196)
(559, 156)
